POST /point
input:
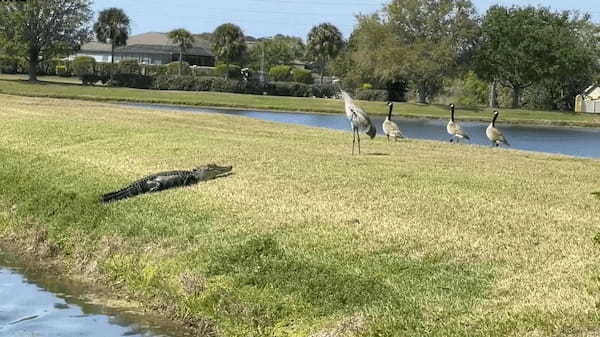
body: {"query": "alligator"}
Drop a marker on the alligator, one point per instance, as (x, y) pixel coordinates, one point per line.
(165, 180)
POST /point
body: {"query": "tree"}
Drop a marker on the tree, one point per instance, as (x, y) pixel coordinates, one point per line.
(522, 47)
(324, 43)
(113, 26)
(44, 28)
(428, 41)
(229, 44)
(419, 41)
(278, 50)
(184, 39)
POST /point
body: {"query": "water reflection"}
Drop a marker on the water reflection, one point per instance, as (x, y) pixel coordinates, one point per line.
(32, 305)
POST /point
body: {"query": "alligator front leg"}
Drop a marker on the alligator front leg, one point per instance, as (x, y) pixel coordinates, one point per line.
(153, 185)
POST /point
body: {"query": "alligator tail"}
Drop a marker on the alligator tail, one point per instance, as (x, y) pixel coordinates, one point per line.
(120, 194)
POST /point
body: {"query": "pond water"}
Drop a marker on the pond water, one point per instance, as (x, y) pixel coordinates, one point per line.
(573, 141)
(35, 305)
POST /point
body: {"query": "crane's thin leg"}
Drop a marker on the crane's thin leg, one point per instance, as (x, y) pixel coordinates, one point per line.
(457, 140)
(353, 139)
(358, 136)
(388, 138)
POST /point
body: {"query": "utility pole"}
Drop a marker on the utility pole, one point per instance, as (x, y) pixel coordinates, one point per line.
(262, 63)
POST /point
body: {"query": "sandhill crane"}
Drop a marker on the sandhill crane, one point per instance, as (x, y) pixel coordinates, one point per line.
(390, 128)
(454, 128)
(359, 120)
(494, 134)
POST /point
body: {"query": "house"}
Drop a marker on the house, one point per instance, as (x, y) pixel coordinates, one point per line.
(589, 100)
(151, 48)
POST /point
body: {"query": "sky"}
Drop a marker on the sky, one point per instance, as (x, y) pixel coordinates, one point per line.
(260, 18)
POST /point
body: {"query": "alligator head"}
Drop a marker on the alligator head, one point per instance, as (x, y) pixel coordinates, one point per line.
(210, 171)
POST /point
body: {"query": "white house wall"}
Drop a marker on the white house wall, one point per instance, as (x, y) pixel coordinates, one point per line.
(145, 59)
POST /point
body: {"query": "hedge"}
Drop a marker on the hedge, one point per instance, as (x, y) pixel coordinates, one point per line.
(371, 95)
(218, 84)
(302, 76)
(280, 73)
(233, 71)
(129, 67)
(132, 81)
(84, 65)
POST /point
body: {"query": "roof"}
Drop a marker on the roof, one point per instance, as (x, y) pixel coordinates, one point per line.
(151, 43)
(590, 89)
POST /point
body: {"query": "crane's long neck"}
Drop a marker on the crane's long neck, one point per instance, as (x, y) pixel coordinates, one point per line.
(494, 120)
(390, 112)
(452, 114)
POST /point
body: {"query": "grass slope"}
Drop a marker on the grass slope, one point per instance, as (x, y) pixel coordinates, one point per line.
(11, 85)
(424, 238)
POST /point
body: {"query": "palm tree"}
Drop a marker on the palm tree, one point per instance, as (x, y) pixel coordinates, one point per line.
(113, 26)
(184, 39)
(229, 44)
(324, 42)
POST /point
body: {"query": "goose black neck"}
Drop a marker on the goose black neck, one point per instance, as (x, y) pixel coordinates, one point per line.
(452, 113)
(390, 111)
(494, 120)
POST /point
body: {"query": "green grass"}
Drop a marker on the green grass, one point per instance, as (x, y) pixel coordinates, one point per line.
(11, 84)
(425, 238)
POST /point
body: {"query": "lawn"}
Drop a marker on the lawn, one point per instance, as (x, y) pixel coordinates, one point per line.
(411, 238)
(11, 84)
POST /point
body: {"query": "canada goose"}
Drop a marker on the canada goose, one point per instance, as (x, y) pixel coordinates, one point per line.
(359, 120)
(390, 128)
(493, 134)
(454, 128)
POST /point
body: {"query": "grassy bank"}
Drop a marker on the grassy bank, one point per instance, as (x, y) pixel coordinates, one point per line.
(411, 239)
(11, 85)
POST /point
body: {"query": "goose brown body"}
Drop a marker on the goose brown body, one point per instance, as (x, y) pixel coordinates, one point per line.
(390, 128)
(495, 135)
(454, 129)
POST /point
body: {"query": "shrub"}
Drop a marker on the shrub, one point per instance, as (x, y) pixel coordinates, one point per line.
(302, 76)
(474, 91)
(173, 69)
(323, 90)
(47, 67)
(290, 89)
(8, 64)
(62, 70)
(227, 85)
(371, 95)
(91, 79)
(84, 65)
(280, 73)
(190, 83)
(397, 90)
(235, 72)
(203, 71)
(128, 67)
(103, 69)
(219, 84)
(153, 69)
(132, 81)
(366, 86)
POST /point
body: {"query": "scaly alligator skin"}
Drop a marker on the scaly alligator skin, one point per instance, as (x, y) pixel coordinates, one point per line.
(165, 180)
